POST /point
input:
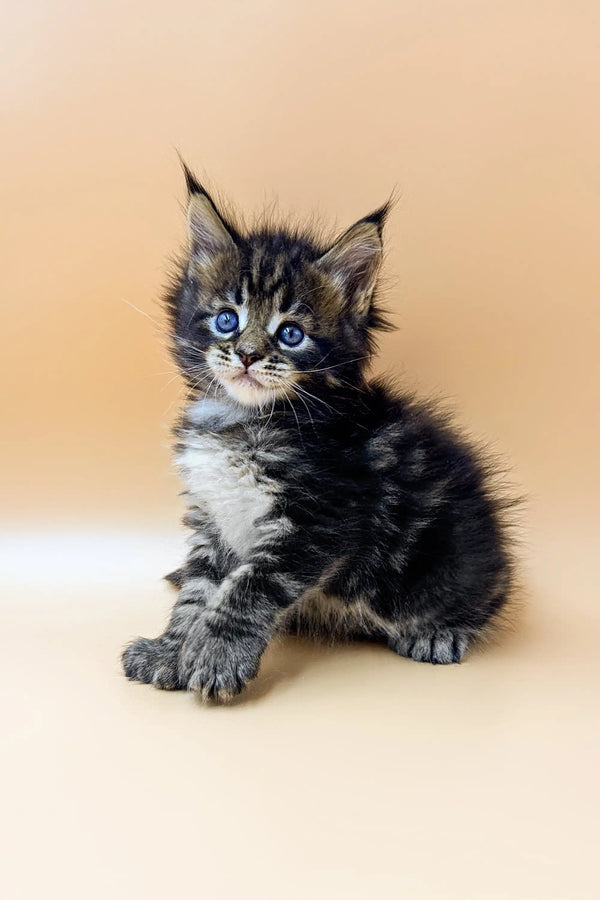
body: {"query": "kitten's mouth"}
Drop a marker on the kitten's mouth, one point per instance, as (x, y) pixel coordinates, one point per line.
(247, 388)
(250, 388)
(247, 378)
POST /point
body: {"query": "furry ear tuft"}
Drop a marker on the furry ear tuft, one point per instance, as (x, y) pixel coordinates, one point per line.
(379, 216)
(353, 261)
(192, 183)
(209, 233)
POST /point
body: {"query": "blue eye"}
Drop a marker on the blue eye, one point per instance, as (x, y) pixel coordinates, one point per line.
(226, 321)
(291, 335)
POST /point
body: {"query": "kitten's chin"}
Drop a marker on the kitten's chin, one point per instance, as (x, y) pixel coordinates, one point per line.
(249, 392)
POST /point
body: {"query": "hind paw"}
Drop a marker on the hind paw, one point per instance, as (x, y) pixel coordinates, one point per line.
(440, 646)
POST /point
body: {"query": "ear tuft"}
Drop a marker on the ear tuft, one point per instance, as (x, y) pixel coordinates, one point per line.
(379, 216)
(191, 182)
(353, 261)
(209, 233)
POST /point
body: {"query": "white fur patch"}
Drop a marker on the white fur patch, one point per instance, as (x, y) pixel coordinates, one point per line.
(274, 322)
(207, 409)
(243, 317)
(228, 486)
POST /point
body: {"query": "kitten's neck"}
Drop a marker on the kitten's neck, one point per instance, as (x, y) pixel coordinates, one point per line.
(221, 413)
(218, 414)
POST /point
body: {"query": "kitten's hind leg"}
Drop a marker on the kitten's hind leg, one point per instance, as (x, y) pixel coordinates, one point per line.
(430, 644)
(328, 618)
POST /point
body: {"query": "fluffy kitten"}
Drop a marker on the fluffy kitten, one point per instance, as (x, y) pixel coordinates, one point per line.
(319, 502)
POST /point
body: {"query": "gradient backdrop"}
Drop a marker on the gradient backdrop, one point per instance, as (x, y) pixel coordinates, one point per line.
(347, 773)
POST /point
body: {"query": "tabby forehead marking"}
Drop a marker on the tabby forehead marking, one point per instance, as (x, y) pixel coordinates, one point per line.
(274, 277)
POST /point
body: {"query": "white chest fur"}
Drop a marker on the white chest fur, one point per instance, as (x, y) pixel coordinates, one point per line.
(223, 480)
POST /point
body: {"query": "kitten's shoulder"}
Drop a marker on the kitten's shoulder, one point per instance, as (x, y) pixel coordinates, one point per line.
(403, 422)
(420, 439)
(386, 407)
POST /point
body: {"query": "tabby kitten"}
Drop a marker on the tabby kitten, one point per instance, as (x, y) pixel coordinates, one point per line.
(319, 502)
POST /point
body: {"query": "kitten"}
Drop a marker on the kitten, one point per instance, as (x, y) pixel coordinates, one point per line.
(319, 502)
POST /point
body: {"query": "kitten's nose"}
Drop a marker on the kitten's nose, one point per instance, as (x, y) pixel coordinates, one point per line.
(247, 358)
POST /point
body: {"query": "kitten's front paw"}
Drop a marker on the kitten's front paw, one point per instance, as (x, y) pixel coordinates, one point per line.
(153, 662)
(218, 668)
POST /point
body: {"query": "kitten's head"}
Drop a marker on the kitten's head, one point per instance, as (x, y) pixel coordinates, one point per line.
(271, 313)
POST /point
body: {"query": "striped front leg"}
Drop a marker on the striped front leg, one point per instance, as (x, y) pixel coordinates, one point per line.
(156, 661)
(223, 649)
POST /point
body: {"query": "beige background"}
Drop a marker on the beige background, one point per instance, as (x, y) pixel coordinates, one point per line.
(349, 772)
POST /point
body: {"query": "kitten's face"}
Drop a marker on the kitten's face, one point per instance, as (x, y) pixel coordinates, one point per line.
(260, 340)
(269, 314)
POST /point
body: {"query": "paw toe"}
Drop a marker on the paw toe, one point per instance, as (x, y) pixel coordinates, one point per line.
(213, 686)
(165, 678)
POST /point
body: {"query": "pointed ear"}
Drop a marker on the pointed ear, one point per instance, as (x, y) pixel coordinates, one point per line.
(209, 233)
(353, 261)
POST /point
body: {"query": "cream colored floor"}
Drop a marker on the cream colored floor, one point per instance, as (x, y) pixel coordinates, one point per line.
(343, 772)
